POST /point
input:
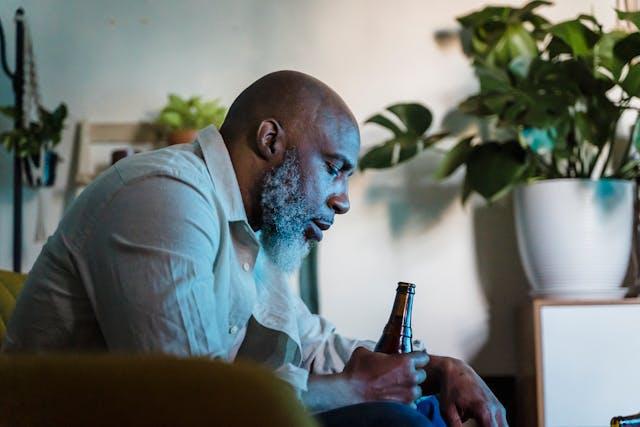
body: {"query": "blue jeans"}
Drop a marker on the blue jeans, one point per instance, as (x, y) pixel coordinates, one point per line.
(384, 414)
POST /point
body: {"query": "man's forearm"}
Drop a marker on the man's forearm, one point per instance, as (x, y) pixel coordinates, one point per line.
(326, 392)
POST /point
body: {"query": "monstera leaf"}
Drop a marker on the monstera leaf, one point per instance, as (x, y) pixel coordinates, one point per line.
(633, 17)
(407, 123)
(494, 168)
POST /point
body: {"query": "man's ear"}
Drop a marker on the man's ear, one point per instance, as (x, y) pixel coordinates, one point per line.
(271, 140)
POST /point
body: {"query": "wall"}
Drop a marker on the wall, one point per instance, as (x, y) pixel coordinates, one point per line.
(117, 60)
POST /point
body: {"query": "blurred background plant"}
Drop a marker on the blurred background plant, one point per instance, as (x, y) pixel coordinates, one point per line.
(40, 135)
(192, 113)
(182, 117)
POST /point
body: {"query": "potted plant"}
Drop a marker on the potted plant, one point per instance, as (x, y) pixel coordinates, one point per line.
(550, 101)
(35, 144)
(183, 117)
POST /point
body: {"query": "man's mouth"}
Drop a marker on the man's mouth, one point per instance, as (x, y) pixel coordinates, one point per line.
(315, 229)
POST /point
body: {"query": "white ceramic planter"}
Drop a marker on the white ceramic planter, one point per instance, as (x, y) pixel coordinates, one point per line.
(574, 235)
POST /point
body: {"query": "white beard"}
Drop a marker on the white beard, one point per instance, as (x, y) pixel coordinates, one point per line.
(285, 215)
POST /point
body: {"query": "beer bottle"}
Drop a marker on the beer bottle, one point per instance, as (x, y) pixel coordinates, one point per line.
(396, 337)
(631, 420)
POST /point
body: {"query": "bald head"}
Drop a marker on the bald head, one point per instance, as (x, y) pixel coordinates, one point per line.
(295, 100)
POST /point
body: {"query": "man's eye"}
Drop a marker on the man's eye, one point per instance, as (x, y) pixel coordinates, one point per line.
(333, 170)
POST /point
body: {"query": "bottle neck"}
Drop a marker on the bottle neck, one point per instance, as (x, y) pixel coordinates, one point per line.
(401, 312)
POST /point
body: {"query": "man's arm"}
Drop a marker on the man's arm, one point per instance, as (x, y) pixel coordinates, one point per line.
(150, 269)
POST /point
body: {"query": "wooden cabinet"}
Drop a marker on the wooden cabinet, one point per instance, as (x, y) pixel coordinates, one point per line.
(579, 362)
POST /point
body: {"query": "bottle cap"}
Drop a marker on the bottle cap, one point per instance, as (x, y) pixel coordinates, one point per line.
(407, 287)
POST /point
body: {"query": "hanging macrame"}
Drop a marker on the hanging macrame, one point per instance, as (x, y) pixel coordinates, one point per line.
(39, 131)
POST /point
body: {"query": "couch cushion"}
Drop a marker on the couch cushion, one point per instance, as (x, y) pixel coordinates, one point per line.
(10, 285)
(118, 390)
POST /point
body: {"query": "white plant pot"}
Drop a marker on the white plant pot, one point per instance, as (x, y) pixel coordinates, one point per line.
(574, 235)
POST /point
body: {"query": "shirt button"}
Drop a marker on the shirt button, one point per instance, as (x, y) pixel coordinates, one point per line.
(246, 266)
(233, 330)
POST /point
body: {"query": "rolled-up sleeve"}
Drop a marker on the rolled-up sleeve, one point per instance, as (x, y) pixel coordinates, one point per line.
(150, 260)
(323, 350)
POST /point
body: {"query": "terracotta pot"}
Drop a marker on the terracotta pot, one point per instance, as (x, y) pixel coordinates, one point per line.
(182, 136)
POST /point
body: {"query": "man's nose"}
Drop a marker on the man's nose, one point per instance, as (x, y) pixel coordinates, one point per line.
(339, 203)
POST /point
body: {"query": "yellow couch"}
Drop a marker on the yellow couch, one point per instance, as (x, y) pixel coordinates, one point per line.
(10, 284)
(121, 390)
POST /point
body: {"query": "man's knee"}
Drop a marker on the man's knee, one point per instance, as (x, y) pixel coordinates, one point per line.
(374, 414)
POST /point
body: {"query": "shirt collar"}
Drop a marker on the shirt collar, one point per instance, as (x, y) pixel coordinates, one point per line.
(218, 161)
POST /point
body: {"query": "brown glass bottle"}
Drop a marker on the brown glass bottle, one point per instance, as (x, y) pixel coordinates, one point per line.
(396, 337)
(632, 420)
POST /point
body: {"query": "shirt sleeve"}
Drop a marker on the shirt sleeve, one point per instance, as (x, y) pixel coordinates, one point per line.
(323, 350)
(150, 263)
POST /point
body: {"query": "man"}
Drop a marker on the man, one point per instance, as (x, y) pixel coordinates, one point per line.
(184, 250)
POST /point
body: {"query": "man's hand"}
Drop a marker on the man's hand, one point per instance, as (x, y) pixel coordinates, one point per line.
(377, 376)
(463, 395)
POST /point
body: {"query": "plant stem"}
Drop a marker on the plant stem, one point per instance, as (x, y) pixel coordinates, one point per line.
(611, 144)
(541, 162)
(627, 149)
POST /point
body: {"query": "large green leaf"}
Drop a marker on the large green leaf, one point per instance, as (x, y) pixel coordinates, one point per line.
(557, 47)
(526, 10)
(398, 150)
(594, 126)
(415, 117)
(604, 55)
(475, 105)
(515, 42)
(633, 17)
(390, 153)
(576, 35)
(631, 83)
(454, 158)
(489, 13)
(494, 168)
(386, 123)
(492, 79)
(627, 48)
(405, 143)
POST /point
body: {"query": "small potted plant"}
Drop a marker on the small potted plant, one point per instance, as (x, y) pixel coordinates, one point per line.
(184, 117)
(35, 144)
(551, 98)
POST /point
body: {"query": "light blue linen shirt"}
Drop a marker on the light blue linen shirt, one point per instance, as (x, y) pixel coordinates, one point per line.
(156, 255)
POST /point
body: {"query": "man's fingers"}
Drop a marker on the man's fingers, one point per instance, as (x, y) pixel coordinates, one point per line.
(417, 392)
(420, 358)
(451, 416)
(420, 376)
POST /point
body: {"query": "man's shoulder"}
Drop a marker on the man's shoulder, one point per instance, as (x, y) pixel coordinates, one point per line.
(183, 162)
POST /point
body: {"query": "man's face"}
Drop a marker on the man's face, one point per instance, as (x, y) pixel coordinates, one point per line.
(301, 197)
